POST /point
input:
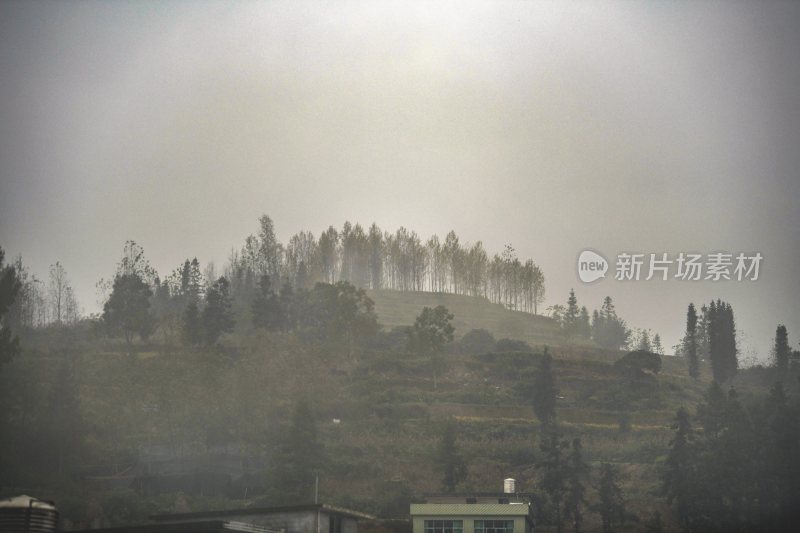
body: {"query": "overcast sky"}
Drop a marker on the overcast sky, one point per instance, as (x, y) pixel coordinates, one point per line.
(649, 127)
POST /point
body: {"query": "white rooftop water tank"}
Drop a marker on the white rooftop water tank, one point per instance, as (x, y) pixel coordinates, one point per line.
(23, 514)
(509, 486)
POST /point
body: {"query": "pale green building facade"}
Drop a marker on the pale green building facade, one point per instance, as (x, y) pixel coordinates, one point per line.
(478, 517)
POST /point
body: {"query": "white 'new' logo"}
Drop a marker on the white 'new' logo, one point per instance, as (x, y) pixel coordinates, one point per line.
(591, 266)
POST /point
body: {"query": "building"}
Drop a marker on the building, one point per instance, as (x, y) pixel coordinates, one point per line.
(506, 512)
(311, 518)
(204, 526)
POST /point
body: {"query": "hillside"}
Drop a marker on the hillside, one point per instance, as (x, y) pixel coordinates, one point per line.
(400, 308)
(200, 428)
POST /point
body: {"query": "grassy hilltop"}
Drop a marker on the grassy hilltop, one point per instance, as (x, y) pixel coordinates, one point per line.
(400, 308)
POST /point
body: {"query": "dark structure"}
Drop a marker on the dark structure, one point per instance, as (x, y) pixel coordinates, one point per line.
(311, 518)
(206, 526)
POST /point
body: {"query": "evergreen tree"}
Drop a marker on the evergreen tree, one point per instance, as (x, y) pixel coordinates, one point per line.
(781, 351)
(191, 281)
(608, 330)
(611, 505)
(702, 335)
(730, 350)
(657, 347)
(577, 474)
(217, 316)
(584, 324)
(597, 326)
(781, 465)
(690, 342)
(454, 468)
(266, 308)
(431, 331)
(554, 469)
(678, 475)
(571, 316)
(722, 341)
(735, 446)
(644, 344)
(299, 458)
(127, 310)
(192, 326)
(338, 314)
(286, 306)
(545, 391)
(711, 412)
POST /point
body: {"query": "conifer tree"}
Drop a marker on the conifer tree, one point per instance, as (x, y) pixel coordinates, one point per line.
(679, 466)
(608, 330)
(545, 391)
(702, 334)
(265, 309)
(554, 468)
(450, 460)
(584, 324)
(217, 316)
(571, 316)
(577, 473)
(690, 342)
(781, 350)
(722, 341)
(611, 505)
(192, 326)
(127, 310)
(657, 347)
(299, 457)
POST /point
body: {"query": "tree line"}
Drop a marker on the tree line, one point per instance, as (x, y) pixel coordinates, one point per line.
(735, 467)
(368, 259)
(40, 303)
(376, 259)
(565, 477)
(603, 327)
(711, 336)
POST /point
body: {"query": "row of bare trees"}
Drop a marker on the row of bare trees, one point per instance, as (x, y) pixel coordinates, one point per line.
(376, 259)
(41, 303)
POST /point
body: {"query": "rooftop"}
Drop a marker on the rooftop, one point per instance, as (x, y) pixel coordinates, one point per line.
(261, 511)
(207, 526)
(470, 509)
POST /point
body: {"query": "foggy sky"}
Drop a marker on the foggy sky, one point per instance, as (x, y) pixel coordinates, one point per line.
(649, 127)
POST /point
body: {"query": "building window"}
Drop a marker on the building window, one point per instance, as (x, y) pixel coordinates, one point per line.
(494, 526)
(444, 526)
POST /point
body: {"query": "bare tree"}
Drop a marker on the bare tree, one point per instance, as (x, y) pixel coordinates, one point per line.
(57, 291)
(61, 297)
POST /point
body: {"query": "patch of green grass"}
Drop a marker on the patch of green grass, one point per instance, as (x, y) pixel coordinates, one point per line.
(400, 308)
